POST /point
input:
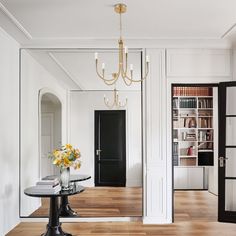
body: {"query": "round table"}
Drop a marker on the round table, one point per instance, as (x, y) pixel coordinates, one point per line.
(54, 225)
(65, 209)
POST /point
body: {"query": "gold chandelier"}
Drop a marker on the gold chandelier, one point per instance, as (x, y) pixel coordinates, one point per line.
(116, 101)
(123, 59)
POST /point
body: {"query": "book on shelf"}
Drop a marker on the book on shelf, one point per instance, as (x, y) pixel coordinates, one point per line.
(188, 103)
(192, 91)
(205, 103)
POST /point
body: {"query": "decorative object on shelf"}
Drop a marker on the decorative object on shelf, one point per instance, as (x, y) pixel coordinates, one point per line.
(190, 151)
(64, 158)
(116, 101)
(123, 63)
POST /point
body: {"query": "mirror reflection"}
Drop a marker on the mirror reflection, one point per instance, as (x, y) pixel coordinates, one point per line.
(64, 102)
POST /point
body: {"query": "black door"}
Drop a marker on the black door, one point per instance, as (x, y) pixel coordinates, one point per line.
(110, 148)
(227, 152)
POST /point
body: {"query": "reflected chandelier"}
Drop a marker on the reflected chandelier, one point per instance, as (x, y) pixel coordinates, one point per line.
(116, 101)
(123, 63)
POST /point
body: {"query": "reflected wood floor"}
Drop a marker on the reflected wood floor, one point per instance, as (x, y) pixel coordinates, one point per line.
(195, 214)
(102, 202)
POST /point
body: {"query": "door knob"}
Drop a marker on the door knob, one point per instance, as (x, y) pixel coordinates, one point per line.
(222, 159)
(98, 152)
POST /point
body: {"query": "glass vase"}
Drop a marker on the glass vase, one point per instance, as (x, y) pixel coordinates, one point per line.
(65, 178)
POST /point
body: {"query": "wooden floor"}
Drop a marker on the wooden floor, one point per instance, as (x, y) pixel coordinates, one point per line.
(103, 202)
(131, 228)
(195, 206)
(195, 214)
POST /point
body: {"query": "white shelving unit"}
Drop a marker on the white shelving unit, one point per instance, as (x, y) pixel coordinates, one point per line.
(193, 138)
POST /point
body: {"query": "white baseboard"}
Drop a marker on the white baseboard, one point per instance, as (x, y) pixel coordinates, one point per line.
(90, 219)
(156, 220)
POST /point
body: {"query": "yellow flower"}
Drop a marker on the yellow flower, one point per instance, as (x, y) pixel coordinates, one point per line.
(66, 161)
(56, 153)
(57, 161)
(68, 146)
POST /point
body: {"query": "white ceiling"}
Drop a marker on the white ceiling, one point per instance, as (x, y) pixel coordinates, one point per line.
(95, 19)
(36, 23)
(76, 69)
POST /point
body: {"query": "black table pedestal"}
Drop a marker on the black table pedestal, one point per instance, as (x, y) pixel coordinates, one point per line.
(65, 209)
(54, 225)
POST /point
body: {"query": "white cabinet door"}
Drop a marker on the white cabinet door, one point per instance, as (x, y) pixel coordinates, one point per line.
(180, 178)
(188, 178)
(195, 178)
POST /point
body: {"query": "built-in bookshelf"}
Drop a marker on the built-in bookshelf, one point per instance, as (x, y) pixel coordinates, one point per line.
(192, 126)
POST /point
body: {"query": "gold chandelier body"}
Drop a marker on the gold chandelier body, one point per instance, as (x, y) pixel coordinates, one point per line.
(123, 59)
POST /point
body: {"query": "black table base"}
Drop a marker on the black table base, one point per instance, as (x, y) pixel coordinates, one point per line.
(65, 209)
(54, 225)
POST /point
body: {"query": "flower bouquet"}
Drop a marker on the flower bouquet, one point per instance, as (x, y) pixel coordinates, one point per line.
(64, 158)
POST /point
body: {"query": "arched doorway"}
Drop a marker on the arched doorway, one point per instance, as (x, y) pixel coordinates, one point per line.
(50, 131)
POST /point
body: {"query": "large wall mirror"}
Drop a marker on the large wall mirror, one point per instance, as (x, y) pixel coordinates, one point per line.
(62, 101)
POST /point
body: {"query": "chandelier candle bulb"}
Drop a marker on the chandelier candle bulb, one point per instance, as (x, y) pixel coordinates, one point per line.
(126, 50)
(147, 59)
(96, 55)
(103, 66)
(131, 67)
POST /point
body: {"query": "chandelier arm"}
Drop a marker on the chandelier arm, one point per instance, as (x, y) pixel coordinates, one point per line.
(108, 105)
(140, 80)
(125, 103)
(128, 82)
(102, 76)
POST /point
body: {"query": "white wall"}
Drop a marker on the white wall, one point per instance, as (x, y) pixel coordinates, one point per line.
(183, 66)
(33, 79)
(9, 139)
(82, 107)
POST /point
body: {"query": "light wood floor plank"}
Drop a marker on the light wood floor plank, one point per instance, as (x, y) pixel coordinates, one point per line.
(195, 214)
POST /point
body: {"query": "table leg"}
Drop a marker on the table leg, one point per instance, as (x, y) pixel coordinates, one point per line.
(65, 209)
(54, 225)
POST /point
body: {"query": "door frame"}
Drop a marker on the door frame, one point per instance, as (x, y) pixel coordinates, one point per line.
(42, 92)
(96, 117)
(223, 216)
(172, 163)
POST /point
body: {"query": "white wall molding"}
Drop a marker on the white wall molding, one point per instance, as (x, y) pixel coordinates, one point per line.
(198, 63)
(15, 21)
(133, 43)
(57, 61)
(156, 182)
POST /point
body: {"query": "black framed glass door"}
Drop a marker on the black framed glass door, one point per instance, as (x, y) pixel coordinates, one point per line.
(227, 152)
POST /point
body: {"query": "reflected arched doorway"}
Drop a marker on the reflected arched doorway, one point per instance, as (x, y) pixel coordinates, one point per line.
(50, 131)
